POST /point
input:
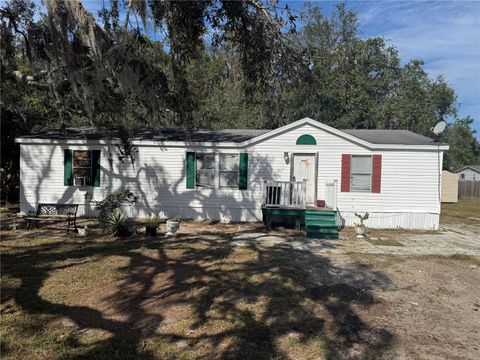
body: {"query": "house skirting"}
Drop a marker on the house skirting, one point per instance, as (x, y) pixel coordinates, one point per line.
(392, 220)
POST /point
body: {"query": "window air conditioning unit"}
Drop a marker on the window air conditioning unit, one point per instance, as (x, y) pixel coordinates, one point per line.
(80, 181)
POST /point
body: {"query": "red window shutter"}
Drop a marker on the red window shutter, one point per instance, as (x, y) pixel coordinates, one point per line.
(345, 185)
(376, 173)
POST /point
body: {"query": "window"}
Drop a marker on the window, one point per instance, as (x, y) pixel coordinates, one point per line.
(205, 170)
(82, 168)
(462, 176)
(361, 173)
(229, 170)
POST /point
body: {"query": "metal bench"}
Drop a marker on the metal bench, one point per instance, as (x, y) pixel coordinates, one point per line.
(67, 212)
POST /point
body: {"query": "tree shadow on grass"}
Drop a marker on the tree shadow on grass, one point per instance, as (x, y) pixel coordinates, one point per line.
(215, 299)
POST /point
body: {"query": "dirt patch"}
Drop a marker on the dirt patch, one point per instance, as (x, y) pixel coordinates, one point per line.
(433, 308)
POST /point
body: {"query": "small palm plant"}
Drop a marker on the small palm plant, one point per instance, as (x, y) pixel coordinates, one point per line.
(117, 223)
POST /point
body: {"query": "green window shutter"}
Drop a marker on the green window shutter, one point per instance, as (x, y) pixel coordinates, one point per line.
(190, 170)
(243, 171)
(68, 167)
(96, 168)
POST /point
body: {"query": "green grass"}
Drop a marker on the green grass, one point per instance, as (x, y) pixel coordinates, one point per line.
(465, 211)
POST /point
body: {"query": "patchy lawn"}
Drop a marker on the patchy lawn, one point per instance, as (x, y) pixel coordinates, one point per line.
(199, 296)
(466, 211)
(194, 296)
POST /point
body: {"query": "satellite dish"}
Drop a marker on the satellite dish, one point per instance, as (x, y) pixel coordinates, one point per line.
(439, 128)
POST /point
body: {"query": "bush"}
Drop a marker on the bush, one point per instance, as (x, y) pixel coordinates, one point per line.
(177, 218)
(114, 201)
(153, 221)
(117, 223)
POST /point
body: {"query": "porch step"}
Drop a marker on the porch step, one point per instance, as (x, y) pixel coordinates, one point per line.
(321, 224)
(329, 230)
(320, 212)
(320, 218)
(322, 236)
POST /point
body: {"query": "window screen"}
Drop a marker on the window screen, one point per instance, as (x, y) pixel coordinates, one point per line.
(82, 168)
(229, 170)
(361, 173)
(205, 170)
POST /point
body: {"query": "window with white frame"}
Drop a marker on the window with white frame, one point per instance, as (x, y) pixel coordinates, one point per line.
(228, 170)
(361, 173)
(82, 168)
(205, 170)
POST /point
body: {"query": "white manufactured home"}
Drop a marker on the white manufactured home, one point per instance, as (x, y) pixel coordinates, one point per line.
(235, 175)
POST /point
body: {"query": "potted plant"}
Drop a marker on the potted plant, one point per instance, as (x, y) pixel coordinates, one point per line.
(173, 225)
(359, 225)
(152, 225)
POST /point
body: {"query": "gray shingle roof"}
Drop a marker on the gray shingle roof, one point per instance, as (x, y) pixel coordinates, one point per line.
(91, 133)
(473, 167)
(400, 137)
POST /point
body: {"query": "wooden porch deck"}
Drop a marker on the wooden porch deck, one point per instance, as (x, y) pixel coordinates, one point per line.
(319, 223)
(287, 200)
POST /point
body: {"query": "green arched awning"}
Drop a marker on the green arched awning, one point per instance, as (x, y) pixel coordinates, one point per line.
(306, 139)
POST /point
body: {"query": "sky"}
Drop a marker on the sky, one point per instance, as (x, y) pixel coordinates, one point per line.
(444, 34)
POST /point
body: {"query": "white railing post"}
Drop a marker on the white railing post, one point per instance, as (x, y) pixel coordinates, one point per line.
(304, 193)
(335, 193)
(331, 194)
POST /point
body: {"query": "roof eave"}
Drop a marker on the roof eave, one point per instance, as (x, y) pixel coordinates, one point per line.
(354, 139)
(468, 167)
(30, 141)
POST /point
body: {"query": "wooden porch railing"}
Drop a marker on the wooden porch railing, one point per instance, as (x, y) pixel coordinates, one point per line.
(287, 194)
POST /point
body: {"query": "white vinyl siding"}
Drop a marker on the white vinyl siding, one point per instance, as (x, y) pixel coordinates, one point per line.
(469, 175)
(409, 180)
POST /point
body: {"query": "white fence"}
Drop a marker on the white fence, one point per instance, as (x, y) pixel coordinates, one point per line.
(331, 194)
(288, 194)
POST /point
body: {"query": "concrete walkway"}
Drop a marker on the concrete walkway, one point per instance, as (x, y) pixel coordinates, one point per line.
(448, 241)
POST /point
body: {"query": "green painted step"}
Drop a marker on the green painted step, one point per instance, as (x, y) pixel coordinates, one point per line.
(321, 236)
(323, 230)
(319, 218)
(326, 223)
(321, 224)
(320, 212)
(329, 230)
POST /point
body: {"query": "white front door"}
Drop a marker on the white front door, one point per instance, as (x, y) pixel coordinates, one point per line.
(304, 169)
